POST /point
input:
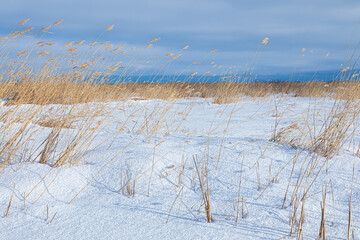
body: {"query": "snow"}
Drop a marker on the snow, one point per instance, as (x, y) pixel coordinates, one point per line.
(186, 129)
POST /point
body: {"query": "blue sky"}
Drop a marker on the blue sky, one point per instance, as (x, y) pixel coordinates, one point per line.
(234, 27)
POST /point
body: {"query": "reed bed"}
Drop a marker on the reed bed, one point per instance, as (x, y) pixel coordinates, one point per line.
(68, 92)
(68, 95)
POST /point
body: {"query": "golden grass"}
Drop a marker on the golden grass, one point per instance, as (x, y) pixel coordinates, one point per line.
(203, 177)
(77, 75)
(52, 92)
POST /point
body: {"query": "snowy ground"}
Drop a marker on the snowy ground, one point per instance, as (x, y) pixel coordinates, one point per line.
(165, 207)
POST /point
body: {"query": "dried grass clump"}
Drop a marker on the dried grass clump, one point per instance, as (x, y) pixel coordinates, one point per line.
(128, 187)
(203, 177)
(326, 135)
(72, 130)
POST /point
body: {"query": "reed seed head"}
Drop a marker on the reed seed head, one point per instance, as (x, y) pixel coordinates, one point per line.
(57, 22)
(24, 21)
(68, 44)
(81, 42)
(155, 39)
(44, 29)
(22, 53)
(176, 56)
(265, 41)
(72, 49)
(110, 28)
(44, 53)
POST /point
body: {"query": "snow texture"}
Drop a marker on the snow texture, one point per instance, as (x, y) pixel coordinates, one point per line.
(165, 207)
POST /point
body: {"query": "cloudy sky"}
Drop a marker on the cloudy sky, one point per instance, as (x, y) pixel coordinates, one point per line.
(234, 27)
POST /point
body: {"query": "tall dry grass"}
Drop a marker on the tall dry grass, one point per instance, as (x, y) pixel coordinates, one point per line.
(65, 91)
